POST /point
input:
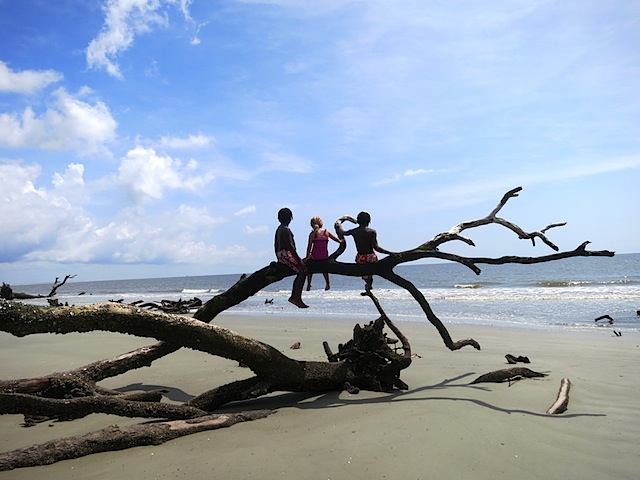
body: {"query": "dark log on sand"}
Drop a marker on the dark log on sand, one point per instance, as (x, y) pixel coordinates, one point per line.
(508, 375)
(562, 402)
(120, 438)
(605, 317)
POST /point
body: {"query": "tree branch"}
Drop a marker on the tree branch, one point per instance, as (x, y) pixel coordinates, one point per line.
(120, 438)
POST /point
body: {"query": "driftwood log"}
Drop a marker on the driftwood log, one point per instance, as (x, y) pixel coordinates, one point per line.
(562, 401)
(120, 438)
(369, 360)
(7, 293)
(508, 375)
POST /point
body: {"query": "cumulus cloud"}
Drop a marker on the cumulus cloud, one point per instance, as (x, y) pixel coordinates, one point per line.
(71, 123)
(147, 174)
(32, 217)
(43, 223)
(124, 19)
(26, 81)
(192, 142)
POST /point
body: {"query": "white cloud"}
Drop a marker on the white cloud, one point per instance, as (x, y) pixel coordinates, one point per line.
(256, 230)
(124, 19)
(287, 162)
(26, 81)
(32, 218)
(146, 174)
(41, 223)
(419, 171)
(399, 176)
(71, 183)
(70, 124)
(246, 211)
(192, 142)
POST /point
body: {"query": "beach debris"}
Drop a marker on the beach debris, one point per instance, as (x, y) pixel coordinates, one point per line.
(562, 401)
(117, 437)
(617, 333)
(513, 359)
(347, 387)
(7, 293)
(172, 306)
(508, 375)
(295, 346)
(268, 301)
(605, 317)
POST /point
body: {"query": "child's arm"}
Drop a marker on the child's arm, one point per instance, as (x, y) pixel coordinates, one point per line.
(378, 248)
(333, 237)
(309, 246)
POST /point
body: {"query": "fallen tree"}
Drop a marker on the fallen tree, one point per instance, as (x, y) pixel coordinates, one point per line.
(7, 293)
(366, 361)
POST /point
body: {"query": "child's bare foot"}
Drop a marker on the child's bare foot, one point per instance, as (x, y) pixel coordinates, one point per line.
(298, 303)
(327, 286)
(308, 287)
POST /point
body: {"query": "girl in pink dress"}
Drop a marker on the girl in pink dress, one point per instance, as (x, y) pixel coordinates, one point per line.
(318, 247)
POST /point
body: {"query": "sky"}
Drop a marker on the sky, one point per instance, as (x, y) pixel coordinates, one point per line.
(158, 138)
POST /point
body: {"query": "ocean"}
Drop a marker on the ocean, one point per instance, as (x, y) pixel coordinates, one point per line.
(564, 294)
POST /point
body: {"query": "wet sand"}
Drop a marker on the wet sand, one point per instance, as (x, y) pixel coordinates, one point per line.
(441, 428)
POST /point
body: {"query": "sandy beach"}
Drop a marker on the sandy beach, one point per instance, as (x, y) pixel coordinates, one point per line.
(441, 428)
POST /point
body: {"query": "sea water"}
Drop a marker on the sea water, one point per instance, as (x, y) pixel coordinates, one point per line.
(564, 294)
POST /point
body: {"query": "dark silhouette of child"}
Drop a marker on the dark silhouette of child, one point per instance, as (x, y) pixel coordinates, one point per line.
(285, 248)
(366, 239)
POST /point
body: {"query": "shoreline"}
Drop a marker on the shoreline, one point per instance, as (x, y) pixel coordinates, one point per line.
(441, 427)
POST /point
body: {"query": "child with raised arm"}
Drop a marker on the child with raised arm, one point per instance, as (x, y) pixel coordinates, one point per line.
(318, 247)
(366, 239)
(286, 253)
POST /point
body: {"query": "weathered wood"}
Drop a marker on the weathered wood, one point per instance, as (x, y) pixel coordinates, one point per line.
(72, 408)
(115, 438)
(508, 375)
(369, 360)
(562, 401)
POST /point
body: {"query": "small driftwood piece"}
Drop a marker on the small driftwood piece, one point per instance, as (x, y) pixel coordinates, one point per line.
(562, 402)
(508, 375)
(120, 438)
(513, 359)
(605, 317)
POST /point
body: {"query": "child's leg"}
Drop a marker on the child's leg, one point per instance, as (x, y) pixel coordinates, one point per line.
(309, 275)
(326, 281)
(296, 293)
(368, 282)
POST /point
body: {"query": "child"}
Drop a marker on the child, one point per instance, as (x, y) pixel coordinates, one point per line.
(285, 248)
(366, 244)
(318, 247)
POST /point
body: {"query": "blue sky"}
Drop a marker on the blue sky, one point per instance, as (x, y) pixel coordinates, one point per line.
(147, 138)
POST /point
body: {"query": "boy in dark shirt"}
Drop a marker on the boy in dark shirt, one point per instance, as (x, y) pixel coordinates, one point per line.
(285, 248)
(366, 239)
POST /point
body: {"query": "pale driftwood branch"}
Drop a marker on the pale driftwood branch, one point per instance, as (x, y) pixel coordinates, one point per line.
(120, 438)
(562, 401)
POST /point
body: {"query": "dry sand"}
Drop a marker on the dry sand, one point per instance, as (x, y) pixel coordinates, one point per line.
(441, 428)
